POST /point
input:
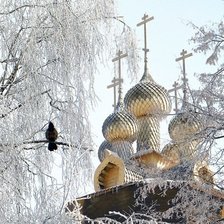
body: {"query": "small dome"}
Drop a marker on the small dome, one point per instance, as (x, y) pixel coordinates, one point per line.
(120, 125)
(203, 173)
(147, 97)
(171, 152)
(184, 125)
(177, 151)
(101, 151)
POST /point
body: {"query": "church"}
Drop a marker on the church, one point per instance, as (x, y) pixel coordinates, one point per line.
(172, 184)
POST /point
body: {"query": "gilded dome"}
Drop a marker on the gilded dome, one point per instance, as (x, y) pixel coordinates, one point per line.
(120, 125)
(184, 125)
(101, 151)
(171, 152)
(147, 97)
(203, 173)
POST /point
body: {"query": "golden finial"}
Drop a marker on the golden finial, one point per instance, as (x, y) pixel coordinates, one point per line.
(184, 55)
(145, 19)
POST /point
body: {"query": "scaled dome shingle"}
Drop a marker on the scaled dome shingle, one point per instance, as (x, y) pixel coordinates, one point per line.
(147, 98)
(184, 125)
(120, 125)
(171, 152)
(101, 151)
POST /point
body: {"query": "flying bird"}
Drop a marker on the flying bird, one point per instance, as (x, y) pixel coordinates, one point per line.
(51, 135)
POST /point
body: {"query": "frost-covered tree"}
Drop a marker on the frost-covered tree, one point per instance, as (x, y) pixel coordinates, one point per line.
(208, 99)
(49, 52)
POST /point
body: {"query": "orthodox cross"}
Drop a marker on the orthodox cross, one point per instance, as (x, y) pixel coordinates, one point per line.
(174, 89)
(119, 80)
(184, 55)
(114, 85)
(145, 19)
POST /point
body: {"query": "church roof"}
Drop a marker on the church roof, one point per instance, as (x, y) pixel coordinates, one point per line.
(121, 201)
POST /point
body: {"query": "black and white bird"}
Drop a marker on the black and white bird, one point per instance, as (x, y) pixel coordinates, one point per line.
(51, 135)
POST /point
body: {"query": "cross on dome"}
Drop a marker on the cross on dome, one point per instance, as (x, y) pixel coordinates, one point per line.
(115, 83)
(184, 55)
(118, 81)
(174, 89)
(145, 19)
(120, 55)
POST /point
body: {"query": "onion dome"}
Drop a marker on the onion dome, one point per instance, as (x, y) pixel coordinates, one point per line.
(148, 101)
(147, 98)
(180, 151)
(171, 152)
(203, 173)
(182, 129)
(184, 125)
(120, 126)
(120, 129)
(101, 151)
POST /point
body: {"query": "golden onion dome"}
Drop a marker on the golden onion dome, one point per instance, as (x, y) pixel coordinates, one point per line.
(101, 151)
(203, 173)
(184, 125)
(175, 151)
(171, 152)
(120, 125)
(147, 98)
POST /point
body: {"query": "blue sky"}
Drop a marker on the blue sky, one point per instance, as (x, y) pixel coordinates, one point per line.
(168, 34)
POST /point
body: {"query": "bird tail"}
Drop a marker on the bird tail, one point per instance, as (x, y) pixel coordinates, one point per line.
(52, 146)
